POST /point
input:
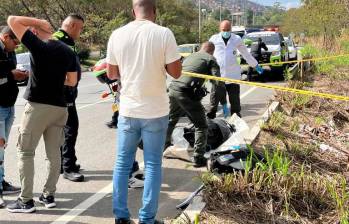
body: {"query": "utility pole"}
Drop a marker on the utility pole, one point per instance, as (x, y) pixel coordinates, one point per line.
(245, 14)
(199, 21)
(220, 11)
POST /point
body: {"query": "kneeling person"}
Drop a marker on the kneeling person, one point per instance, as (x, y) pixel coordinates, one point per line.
(184, 99)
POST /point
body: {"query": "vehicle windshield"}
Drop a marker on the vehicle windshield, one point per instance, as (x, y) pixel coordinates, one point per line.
(268, 39)
(289, 42)
(239, 33)
(185, 49)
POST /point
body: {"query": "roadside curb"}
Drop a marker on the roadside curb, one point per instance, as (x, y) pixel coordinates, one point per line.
(197, 205)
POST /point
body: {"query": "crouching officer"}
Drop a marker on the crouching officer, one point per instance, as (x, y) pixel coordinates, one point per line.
(256, 52)
(68, 33)
(185, 98)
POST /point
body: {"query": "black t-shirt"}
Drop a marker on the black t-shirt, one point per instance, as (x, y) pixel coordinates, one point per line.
(256, 48)
(225, 40)
(71, 92)
(50, 62)
(8, 86)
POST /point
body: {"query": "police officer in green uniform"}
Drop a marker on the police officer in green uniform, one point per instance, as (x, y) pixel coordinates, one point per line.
(69, 33)
(185, 98)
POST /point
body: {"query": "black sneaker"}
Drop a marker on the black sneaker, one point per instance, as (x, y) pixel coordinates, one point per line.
(48, 201)
(199, 161)
(122, 221)
(111, 124)
(8, 188)
(155, 222)
(75, 168)
(20, 207)
(73, 176)
(2, 202)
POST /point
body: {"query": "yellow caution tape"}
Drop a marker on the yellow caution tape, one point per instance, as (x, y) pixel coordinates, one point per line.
(267, 86)
(305, 60)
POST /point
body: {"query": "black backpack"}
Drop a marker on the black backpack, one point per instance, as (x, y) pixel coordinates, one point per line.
(232, 160)
(219, 130)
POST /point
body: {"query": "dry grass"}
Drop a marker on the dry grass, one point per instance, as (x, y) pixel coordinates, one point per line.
(298, 183)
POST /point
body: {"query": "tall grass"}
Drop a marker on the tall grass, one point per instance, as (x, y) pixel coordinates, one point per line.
(314, 49)
(274, 189)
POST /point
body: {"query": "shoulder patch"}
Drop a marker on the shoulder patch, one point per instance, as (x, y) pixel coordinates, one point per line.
(58, 35)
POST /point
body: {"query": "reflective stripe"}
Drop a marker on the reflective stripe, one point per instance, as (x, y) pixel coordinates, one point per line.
(3, 81)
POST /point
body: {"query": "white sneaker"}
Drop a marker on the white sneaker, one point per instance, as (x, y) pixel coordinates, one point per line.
(138, 174)
(2, 202)
(135, 183)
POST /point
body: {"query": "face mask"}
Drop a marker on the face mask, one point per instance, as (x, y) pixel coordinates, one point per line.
(226, 35)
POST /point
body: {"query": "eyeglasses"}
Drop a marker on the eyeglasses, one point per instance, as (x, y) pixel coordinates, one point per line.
(16, 41)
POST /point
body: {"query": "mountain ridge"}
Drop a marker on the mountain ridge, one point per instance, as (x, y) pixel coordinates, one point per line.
(232, 5)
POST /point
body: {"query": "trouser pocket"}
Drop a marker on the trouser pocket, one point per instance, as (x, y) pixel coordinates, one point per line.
(24, 141)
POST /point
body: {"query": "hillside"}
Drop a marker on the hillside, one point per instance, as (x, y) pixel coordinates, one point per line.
(233, 5)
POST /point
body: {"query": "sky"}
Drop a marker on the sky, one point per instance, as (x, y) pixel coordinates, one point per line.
(286, 3)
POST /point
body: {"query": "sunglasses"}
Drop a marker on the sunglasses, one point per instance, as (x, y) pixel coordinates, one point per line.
(14, 39)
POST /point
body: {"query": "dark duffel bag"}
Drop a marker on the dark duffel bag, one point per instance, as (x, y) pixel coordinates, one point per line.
(233, 160)
(219, 130)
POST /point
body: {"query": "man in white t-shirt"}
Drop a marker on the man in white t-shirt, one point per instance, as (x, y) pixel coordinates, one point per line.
(226, 46)
(139, 54)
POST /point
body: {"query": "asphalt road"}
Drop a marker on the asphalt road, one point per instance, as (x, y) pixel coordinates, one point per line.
(90, 201)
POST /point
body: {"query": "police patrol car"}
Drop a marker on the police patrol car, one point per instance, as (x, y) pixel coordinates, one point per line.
(277, 48)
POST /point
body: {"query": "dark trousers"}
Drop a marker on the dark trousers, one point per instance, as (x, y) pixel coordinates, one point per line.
(233, 91)
(182, 104)
(250, 69)
(70, 136)
(115, 117)
(219, 96)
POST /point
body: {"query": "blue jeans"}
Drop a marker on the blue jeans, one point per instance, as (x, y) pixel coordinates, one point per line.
(7, 116)
(153, 134)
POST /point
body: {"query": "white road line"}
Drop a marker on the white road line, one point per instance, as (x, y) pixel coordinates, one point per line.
(83, 87)
(92, 104)
(83, 206)
(72, 214)
(79, 108)
(241, 97)
(247, 92)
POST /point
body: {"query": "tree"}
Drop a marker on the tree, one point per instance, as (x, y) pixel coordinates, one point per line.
(104, 16)
(209, 28)
(250, 15)
(223, 14)
(326, 18)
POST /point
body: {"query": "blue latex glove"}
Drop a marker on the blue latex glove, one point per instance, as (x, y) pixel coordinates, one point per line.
(259, 69)
(225, 111)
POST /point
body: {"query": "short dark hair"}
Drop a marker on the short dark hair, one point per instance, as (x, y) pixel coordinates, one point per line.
(209, 46)
(7, 30)
(76, 16)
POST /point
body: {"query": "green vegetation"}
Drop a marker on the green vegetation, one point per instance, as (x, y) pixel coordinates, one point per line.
(274, 190)
(275, 123)
(102, 17)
